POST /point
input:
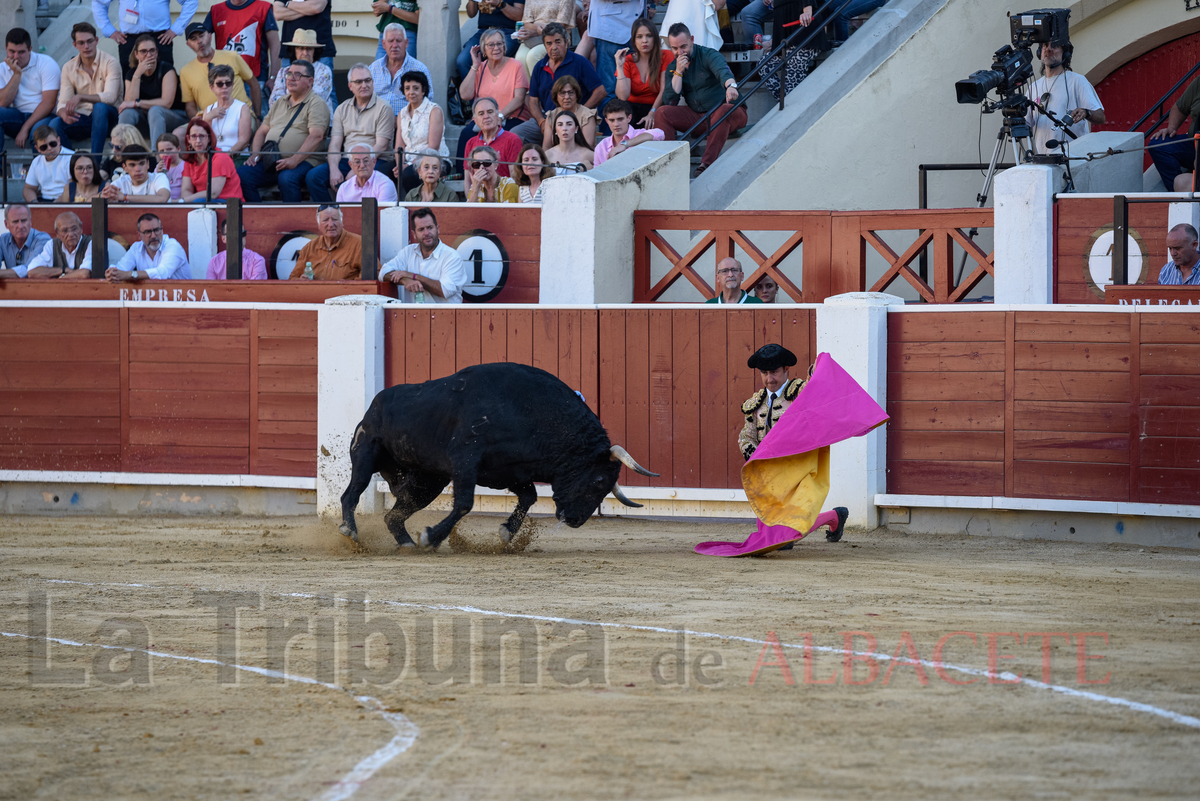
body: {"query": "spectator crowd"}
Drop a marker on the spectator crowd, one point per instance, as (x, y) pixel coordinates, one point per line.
(552, 87)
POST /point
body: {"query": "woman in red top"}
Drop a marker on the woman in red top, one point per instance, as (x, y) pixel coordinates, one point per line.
(201, 144)
(640, 79)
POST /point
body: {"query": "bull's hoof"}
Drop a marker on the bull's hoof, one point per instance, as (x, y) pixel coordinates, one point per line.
(505, 534)
(347, 531)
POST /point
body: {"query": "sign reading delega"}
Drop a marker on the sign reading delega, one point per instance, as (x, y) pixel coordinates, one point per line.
(1152, 295)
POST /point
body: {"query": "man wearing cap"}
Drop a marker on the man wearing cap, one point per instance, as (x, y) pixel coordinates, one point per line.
(193, 78)
(729, 281)
(766, 406)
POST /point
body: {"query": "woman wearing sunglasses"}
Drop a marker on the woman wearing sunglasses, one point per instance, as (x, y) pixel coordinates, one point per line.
(152, 99)
(228, 117)
(484, 184)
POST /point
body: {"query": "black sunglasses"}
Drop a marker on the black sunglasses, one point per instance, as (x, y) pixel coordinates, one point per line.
(325, 206)
(477, 165)
(44, 146)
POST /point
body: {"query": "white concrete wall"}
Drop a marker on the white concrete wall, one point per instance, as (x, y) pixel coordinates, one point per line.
(1025, 233)
(350, 351)
(852, 329)
(1119, 173)
(587, 222)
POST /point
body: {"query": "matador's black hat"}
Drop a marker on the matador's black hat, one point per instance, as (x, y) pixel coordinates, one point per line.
(771, 357)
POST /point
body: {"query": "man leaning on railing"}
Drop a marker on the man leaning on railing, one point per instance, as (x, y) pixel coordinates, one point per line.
(702, 78)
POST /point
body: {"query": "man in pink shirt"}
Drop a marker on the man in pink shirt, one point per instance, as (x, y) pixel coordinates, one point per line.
(619, 114)
(254, 266)
(365, 181)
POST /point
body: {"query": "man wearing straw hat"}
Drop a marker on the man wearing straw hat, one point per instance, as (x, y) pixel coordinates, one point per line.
(305, 47)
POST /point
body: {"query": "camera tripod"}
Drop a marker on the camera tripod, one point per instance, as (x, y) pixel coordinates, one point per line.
(1015, 130)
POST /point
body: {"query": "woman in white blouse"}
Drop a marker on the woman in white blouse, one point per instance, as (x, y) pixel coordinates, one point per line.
(228, 117)
(420, 126)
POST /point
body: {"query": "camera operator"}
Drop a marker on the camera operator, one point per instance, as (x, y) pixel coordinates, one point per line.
(1063, 92)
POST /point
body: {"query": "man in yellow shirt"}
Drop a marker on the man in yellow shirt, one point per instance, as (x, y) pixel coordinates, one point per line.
(193, 78)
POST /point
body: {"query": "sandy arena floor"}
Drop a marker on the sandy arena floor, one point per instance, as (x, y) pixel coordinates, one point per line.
(590, 717)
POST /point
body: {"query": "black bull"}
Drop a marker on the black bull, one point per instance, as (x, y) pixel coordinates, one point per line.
(503, 426)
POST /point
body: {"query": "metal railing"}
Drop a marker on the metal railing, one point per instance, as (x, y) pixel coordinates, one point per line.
(1161, 102)
(815, 28)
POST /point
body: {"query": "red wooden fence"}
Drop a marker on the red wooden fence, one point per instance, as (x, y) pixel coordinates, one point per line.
(667, 383)
(835, 250)
(1101, 406)
(159, 390)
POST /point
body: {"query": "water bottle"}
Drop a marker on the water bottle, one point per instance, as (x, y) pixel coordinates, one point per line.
(419, 297)
(308, 273)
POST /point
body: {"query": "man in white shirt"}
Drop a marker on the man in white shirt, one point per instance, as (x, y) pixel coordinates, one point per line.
(68, 255)
(137, 184)
(31, 82)
(1066, 94)
(428, 265)
(365, 180)
(50, 171)
(157, 256)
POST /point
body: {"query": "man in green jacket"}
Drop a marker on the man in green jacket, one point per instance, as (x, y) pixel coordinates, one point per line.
(729, 282)
(702, 78)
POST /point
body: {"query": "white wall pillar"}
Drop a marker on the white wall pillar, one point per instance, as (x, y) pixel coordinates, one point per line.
(1025, 234)
(852, 328)
(393, 231)
(1178, 213)
(349, 375)
(439, 43)
(594, 264)
(201, 240)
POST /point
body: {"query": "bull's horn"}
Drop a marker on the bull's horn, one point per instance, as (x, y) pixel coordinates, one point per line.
(620, 496)
(621, 455)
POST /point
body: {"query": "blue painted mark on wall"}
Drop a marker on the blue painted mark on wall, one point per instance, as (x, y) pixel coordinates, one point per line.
(75, 499)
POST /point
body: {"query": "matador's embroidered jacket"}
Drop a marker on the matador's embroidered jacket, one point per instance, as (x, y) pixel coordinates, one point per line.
(756, 413)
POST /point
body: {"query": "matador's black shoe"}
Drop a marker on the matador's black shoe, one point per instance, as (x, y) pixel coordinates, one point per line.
(835, 535)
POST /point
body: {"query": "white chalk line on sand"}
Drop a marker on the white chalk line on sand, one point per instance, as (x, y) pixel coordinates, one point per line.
(406, 730)
(1136, 706)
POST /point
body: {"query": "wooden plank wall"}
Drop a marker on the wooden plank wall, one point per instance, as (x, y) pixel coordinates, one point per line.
(283, 413)
(946, 398)
(1168, 395)
(60, 389)
(159, 390)
(666, 383)
(1070, 405)
(1071, 412)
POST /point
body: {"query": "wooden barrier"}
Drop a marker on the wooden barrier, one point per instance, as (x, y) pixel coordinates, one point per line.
(228, 391)
(501, 245)
(191, 291)
(835, 250)
(667, 383)
(1045, 404)
(1083, 246)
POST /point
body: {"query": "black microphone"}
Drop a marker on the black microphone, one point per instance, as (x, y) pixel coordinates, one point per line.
(1053, 144)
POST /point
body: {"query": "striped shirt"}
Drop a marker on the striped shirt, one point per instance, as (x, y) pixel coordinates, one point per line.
(1170, 275)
